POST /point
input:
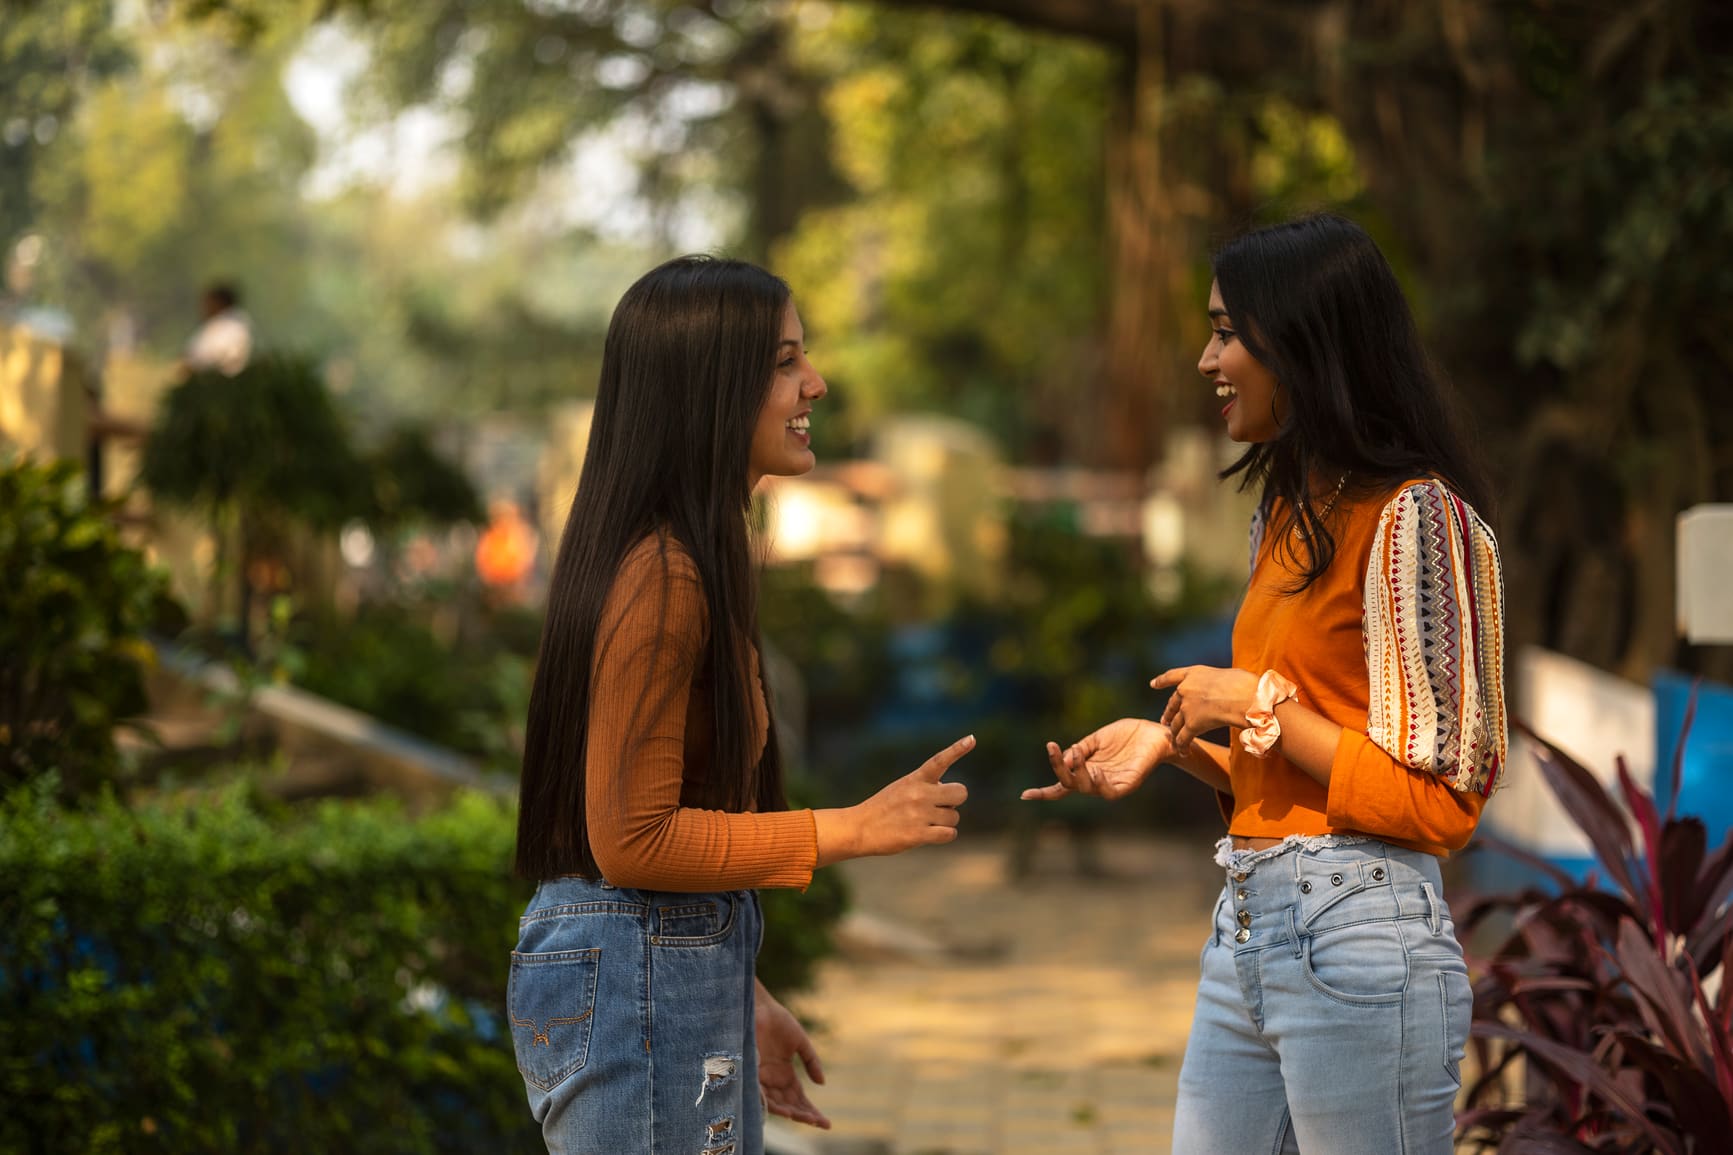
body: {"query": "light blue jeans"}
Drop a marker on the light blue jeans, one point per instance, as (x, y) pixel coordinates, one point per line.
(631, 1016)
(1333, 1008)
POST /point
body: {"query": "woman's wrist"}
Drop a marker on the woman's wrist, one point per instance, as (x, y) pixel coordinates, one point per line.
(763, 1002)
(837, 830)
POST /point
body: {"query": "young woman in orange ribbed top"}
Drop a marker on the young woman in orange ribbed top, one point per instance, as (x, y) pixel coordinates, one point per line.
(651, 801)
(1365, 713)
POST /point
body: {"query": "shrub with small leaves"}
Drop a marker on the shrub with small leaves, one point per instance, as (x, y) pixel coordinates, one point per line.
(202, 976)
(75, 603)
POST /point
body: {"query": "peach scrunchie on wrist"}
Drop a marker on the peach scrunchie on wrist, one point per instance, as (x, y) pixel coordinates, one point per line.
(1262, 730)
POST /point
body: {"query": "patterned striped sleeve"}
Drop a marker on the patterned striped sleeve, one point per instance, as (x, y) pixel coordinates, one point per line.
(1434, 639)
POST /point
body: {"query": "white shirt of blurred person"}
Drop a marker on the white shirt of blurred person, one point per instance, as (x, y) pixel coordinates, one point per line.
(224, 341)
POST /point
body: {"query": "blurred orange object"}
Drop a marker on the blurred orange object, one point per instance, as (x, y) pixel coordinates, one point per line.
(507, 550)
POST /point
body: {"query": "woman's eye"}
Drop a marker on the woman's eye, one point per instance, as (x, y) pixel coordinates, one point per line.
(786, 363)
(1224, 335)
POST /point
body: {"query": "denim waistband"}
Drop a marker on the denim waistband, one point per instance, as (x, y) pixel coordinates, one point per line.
(1229, 856)
(572, 890)
(1307, 885)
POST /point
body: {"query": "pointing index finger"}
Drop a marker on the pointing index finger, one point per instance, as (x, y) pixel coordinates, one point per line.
(934, 768)
(1173, 677)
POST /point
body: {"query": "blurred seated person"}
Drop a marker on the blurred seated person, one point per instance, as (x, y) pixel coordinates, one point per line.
(224, 339)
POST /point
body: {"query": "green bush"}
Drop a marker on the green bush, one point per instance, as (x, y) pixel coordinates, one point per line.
(200, 979)
(413, 483)
(389, 664)
(74, 605)
(203, 978)
(268, 440)
(798, 930)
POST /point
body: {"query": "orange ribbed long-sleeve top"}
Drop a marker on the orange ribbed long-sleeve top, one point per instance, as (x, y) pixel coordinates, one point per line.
(651, 744)
(1399, 642)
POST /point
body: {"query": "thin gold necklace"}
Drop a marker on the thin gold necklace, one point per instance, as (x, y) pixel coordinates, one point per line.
(1299, 525)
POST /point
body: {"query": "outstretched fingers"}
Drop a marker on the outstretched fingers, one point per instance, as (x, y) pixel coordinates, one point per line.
(934, 768)
(1068, 767)
(809, 1059)
(1051, 793)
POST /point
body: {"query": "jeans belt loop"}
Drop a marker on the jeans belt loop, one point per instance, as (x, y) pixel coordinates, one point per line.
(1293, 933)
(1432, 918)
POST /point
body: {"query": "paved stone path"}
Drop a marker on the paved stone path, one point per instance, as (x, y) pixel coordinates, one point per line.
(1053, 1020)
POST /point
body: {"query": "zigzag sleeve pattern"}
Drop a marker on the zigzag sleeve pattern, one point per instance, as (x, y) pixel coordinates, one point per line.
(1434, 636)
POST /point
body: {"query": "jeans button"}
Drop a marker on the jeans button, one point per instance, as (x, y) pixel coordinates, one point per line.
(1240, 876)
(1335, 880)
(1242, 934)
(1245, 917)
(1378, 874)
(1239, 896)
(1305, 888)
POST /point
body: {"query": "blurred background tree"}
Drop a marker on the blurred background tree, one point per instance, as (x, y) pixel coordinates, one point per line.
(998, 209)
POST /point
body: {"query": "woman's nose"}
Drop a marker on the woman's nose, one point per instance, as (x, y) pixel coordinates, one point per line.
(1206, 364)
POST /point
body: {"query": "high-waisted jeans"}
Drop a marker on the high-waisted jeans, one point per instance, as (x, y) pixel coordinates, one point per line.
(1333, 1008)
(631, 1016)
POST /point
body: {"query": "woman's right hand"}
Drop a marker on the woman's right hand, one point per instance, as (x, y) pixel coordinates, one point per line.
(918, 809)
(1111, 762)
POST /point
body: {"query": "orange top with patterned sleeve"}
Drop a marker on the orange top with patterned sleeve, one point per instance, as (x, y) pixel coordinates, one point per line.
(1399, 642)
(651, 741)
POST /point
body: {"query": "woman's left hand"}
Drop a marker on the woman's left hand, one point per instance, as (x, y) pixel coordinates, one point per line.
(1205, 698)
(781, 1039)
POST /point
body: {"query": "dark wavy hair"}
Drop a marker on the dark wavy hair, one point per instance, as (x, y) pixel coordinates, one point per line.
(1317, 304)
(686, 368)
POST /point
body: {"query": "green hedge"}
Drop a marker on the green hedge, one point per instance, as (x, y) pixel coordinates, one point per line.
(201, 977)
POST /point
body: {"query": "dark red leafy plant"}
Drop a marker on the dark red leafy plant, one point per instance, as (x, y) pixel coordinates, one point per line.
(1602, 1022)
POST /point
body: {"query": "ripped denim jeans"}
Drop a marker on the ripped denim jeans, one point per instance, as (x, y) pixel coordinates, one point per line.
(631, 1017)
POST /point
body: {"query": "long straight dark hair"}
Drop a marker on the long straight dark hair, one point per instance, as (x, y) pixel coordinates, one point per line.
(1317, 304)
(686, 368)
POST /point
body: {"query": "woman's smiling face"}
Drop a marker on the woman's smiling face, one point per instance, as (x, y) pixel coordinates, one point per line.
(1248, 390)
(782, 441)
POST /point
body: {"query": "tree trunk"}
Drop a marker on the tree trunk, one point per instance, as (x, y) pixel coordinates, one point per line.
(1140, 229)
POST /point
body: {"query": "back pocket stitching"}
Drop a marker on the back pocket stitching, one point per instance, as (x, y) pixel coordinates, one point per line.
(590, 959)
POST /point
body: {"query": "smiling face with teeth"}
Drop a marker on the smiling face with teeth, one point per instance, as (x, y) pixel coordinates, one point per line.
(782, 439)
(1248, 391)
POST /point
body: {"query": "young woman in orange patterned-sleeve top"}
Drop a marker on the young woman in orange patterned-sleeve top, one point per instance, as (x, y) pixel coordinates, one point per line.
(1365, 713)
(651, 802)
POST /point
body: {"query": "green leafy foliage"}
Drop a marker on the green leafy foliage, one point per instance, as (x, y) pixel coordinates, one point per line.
(48, 54)
(413, 482)
(180, 161)
(207, 977)
(799, 930)
(388, 663)
(74, 606)
(202, 979)
(271, 441)
(537, 77)
(268, 439)
(964, 272)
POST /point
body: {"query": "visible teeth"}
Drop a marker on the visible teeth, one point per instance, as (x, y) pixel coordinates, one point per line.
(800, 424)
(1223, 389)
